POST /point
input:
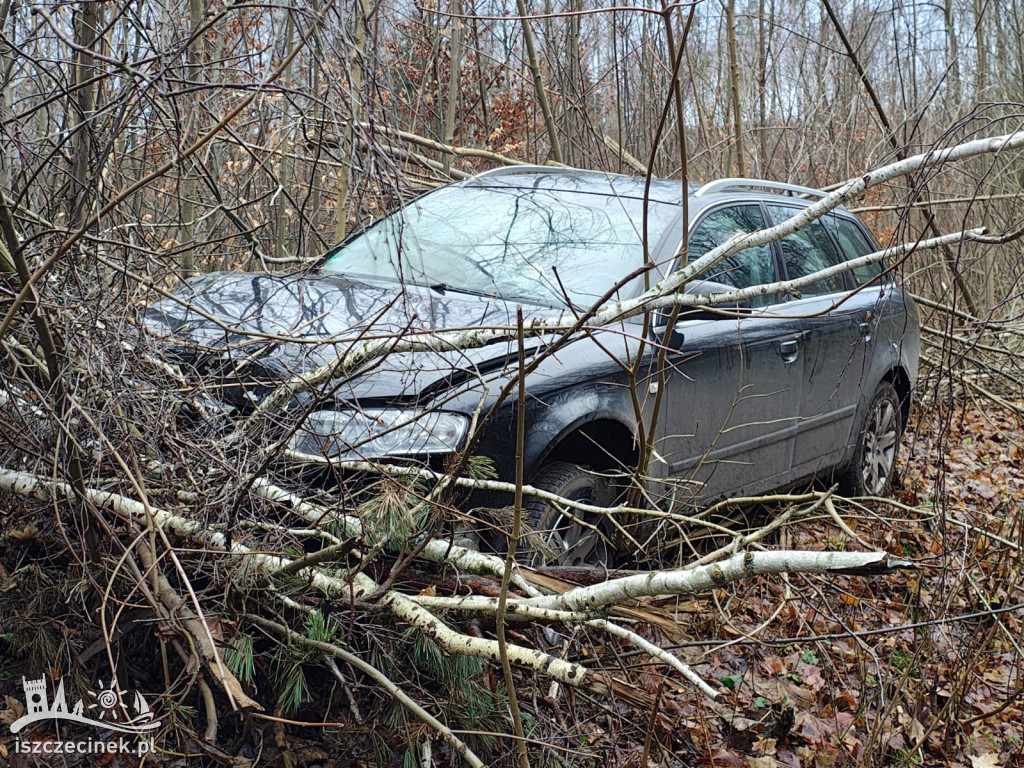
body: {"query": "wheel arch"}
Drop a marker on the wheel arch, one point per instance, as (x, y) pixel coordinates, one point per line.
(900, 380)
(599, 442)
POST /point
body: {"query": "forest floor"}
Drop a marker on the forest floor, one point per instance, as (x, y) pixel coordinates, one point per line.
(921, 667)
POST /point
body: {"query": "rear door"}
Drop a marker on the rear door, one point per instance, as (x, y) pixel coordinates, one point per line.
(837, 332)
(871, 306)
(733, 389)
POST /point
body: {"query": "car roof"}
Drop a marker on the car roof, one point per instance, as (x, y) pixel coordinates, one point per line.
(661, 190)
(579, 180)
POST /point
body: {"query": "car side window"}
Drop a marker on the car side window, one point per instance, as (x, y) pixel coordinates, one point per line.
(749, 267)
(855, 244)
(808, 251)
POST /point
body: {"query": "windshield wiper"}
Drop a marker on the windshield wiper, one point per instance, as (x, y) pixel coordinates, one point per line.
(443, 288)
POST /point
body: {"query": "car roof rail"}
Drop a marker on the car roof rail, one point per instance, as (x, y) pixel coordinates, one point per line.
(721, 185)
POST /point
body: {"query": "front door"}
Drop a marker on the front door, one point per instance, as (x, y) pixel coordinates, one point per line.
(733, 383)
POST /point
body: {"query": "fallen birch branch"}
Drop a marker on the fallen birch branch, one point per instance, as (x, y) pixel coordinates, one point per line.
(359, 585)
(664, 294)
(668, 291)
(707, 577)
(687, 581)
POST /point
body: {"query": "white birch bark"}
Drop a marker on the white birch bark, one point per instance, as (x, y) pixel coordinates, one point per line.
(706, 577)
(684, 581)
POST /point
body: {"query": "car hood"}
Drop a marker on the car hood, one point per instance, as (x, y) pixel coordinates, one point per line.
(261, 329)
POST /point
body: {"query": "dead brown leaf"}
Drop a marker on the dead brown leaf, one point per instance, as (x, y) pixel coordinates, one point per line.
(27, 534)
(987, 760)
(13, 710)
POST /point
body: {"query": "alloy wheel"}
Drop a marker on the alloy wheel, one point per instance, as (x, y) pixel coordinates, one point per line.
(573, 543)
(881, 436)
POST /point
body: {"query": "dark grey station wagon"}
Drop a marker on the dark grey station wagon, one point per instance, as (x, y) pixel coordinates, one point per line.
(742, 399)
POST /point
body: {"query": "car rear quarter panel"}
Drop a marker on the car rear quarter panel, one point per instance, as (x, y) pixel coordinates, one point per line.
(895, 354)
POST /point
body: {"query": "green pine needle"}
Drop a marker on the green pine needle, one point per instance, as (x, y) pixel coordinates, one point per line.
(240, 659)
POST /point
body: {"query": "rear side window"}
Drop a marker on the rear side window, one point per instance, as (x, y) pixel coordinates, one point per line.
(749, 267)
(855, 244)
(808, 251)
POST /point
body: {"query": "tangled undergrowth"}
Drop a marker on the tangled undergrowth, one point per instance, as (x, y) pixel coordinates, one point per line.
(914, 667)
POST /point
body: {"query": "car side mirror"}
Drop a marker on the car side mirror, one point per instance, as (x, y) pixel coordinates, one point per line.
(715, 311)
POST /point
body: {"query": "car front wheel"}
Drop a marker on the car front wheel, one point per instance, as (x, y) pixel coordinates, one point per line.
(874, 463)
(558, 537)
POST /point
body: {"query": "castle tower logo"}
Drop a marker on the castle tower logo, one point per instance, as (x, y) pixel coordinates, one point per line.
(103, 708)
(35, 695)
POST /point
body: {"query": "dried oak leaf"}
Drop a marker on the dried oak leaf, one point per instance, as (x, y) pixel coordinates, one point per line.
(987, 760)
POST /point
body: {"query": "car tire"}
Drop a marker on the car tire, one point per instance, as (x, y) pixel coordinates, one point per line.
(556, 538)
(871, 471)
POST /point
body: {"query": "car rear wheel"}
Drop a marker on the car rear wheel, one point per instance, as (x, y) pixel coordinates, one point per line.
(558, 537)
(874, 462)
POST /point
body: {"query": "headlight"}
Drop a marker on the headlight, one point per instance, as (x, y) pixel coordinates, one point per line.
(376, 432)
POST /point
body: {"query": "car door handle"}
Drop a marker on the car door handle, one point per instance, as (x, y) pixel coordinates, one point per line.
(865, 326)
(789, 350)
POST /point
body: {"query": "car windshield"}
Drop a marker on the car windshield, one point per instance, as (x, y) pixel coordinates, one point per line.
(530, 243)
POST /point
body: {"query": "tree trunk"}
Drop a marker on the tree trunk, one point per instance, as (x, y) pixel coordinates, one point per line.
(481, 82)
(981, 41)
(87, 22)
(188, 186)
(454, 81)
(349, 145)
(284, 168)
(762, 87)
(734, 85)
(572, 88)
(7, 266)
(954, 57)
(538, 83)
